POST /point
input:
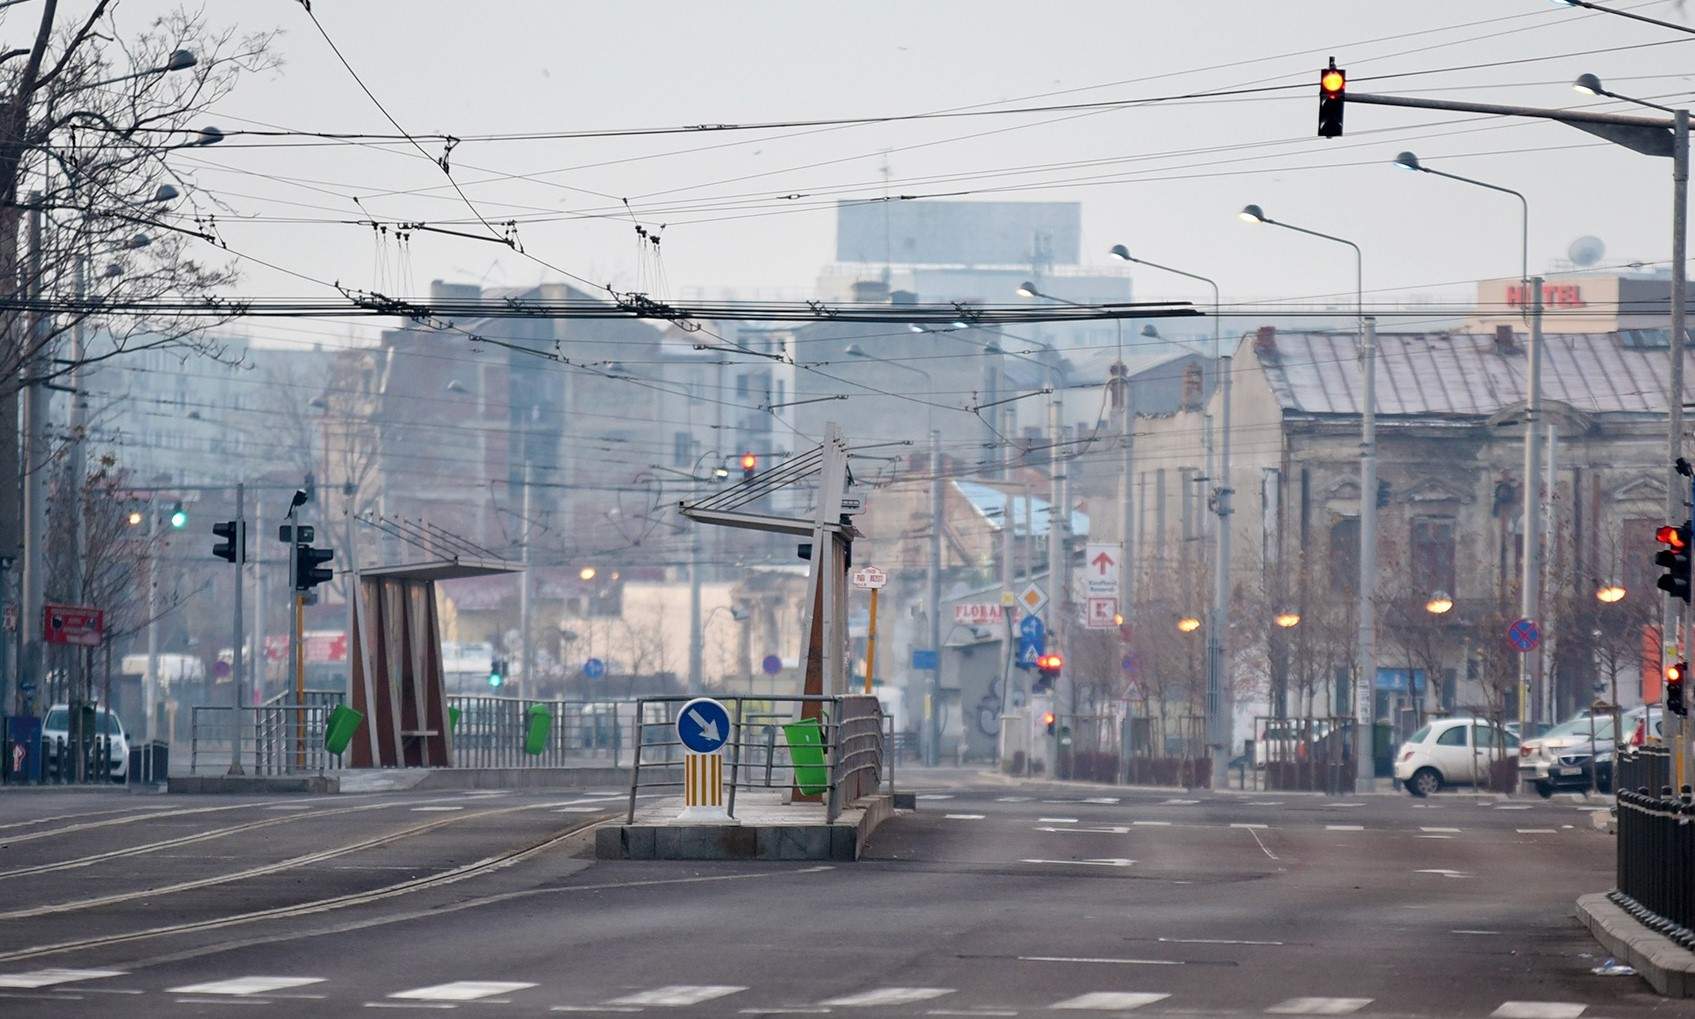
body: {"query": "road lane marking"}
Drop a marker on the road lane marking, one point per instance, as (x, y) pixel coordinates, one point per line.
(1538, 1010)
(783, 1011)
(1440, 829)
(1512, 806)
(1466, 931)
(431, 810)
(1105, 861)
(964, 817)
(1056, 820)
(55, 975)
(1178, 803)
(578, 810)
(1319, 1006)
(1536, 831)
(241, 987)
(1151, 824)
(1114, 829)
(1443, 872)
(972, 1011)
(935, 796)
(887, 996)
(1344, 804)
(1435, 836)
(1110, 1001)
(1253, 829)
(461, 990)
(1110, 801)
(1013, 799)
(1265, 803)
(1116, 962)
(1239, 824)
(678, 995)
(1215, 941)
(1344, 827)
(290, 806)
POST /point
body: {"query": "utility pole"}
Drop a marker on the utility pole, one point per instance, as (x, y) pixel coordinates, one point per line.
(1057, 520)
(526, 646)
(1672, 625)
(236, 677)
(696, 628)
(1220, 703)
(1366, 681)
(1530, 581)
(150, 682)
(1127, 495)
(30, 664)
(935, 581)
(256, 659)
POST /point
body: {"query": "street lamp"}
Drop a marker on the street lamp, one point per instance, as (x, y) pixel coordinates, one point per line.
(1440, 604)
(1188, 624)
(586, 573)
(1610, 592)
(179, 60)
(1288, 619)
(1366, 672)
(1218, 713)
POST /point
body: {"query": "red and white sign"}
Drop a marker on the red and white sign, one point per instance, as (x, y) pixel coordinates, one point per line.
(1101, 613)
(1554, 295)
(321, 646)
(72, 624)
(971, 613)
(869, 578)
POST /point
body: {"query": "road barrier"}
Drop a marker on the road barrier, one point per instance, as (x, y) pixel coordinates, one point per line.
(276, 738)
(852, 745)
(1642, 768)
(1656, 855)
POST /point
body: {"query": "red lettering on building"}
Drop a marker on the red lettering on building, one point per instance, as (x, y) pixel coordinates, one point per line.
(1555, 295)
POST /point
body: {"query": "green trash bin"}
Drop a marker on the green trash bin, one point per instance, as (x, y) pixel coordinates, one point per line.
(536, 728)
(338, 732)
(452, 719)
(806, 749)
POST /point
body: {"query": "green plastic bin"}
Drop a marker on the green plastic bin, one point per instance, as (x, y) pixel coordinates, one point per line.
(536, 728)
(452, 719)
(338, 732)
(806, 749)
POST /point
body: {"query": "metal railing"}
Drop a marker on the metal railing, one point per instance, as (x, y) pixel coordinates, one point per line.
(276, 738)
(1656, 860)
(1644, 769)
(855, 744)
(493, 732)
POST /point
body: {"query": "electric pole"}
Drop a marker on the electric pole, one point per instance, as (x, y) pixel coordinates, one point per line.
(1366, 680)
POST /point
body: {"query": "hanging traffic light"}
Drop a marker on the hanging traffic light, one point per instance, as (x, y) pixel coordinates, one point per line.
(179, 516)
(1048, 667)
(1332, 96)
(309, 570)
(233, 547)
(1048, 719)
(1676, 673)
(1674, 557)
(496, 673)
(750, 464)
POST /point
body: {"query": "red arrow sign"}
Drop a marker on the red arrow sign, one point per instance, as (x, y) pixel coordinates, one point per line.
(1102, 561)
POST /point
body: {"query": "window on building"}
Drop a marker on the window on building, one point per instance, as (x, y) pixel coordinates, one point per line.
(1344, 556)
(682, 444)
(1432, 555)
(741, 385)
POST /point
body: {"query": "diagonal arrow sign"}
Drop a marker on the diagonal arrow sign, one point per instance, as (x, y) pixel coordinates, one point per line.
(707, 729)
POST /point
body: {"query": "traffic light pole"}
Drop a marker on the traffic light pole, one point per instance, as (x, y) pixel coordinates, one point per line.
(1672, 623)
(235, 646)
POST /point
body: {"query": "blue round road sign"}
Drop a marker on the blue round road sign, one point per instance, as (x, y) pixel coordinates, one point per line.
(703, 725)
(1524, 634)
(771, 665)
(594, 668)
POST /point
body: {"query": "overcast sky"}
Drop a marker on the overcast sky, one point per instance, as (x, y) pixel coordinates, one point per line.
(1167, 180)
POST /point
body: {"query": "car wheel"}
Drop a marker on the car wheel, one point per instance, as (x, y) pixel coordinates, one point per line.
(1424, 782)
(1544, 789)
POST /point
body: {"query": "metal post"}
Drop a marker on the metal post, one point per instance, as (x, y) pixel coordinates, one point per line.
(934, 709)
(697, 636)
(150, 682)
(1530, 530)
(526, 644)
(1056, 521)
(256, 660)
(236, 677)
(1365, 681)
(36, 395)
(1220, 703)
(1127, 497)
(871, 644)
(1674, 405)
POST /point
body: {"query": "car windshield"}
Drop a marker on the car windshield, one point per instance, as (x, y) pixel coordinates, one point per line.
(1581, 728)
(59, 720)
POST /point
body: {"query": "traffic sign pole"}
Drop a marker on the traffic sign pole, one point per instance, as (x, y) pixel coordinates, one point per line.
(871, 643)
(703, 727)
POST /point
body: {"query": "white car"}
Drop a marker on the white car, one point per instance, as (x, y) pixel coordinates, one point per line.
(1452, 751)
(57, 727)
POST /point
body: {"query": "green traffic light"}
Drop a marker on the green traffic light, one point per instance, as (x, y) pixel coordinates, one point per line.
(179, 517)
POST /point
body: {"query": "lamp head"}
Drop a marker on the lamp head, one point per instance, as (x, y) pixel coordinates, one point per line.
(1408, 161)
(1251, 214)
(1028, 289)
(1589, 85)
(1121, 252)
(181, 60)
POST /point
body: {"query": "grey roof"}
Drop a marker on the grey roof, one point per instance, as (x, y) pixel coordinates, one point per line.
(1464, 374)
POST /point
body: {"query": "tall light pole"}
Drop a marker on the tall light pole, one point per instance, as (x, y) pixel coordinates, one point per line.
(1366, 666)
(1531, 696)
(1220, 698)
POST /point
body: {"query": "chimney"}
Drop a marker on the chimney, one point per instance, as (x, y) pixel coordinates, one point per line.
(1193, 383)
(870, 292)
(1265, 343)
(1505, 341)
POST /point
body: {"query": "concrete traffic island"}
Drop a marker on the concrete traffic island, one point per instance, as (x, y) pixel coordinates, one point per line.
(765, 828)
(1668, 967)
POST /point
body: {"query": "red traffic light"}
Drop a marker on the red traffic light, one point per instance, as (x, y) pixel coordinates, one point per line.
(1050, 663)
(1671, 536)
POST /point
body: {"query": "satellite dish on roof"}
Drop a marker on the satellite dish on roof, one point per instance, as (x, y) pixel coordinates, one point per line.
(1586, 251)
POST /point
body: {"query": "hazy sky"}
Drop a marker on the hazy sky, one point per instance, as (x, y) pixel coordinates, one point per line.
(1165, 180)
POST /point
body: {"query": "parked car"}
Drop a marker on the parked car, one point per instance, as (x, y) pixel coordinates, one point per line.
(1642, 726)
(57, 727)
(1285, 740)
(1571, 755)
(1452, 751)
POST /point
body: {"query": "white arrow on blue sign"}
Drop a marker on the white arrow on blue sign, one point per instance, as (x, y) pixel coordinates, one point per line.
(703, 725)
(594, 668)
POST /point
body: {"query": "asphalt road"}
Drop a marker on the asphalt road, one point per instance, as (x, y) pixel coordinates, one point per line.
(994, 898)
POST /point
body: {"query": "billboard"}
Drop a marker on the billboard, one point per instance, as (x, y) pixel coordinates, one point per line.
(959, 233)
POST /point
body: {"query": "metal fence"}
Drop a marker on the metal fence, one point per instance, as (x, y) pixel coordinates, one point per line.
(1305, 754)
(1169, 751)
(855, 745)
(1656, 861)
(1644, 769)
(504, 732)
(275, 738)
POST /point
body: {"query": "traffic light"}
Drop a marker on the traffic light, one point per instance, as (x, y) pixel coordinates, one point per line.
(1674, 557)
(1676, 672)
(179, 516)
(750, 464)
(1332, 96)
(1047, 670)
(1048, 719)
(496, 673)
(233, 547)
(308, 569)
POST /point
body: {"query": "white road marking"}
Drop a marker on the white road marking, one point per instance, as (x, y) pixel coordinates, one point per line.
(1239, 824)
(1439, 829)
(678, 995)
(964, 817)
(887, 996)
(1215, 941)
(239, 987)
(1012, 799)
(1179, 803)
(1108, 861)
(1512, 806)
(1151, 824)
(971, 1011)
(1319, 1006)
(461, 990)
(1468, 931)
(291, 806)
(434, 810)
(409, 1004)
(1110, 801)
(597, 1009)
(1115, 829)
(1435, 836)
(1115, 962)
(48, 977)
(1056, 820)
(1443, 872)
(935, 796)
(578, 810)
(1538, 1010)
(1536, 831)
(1344, 827)
(1344, 804)
(782, 1011)
(1253, 829)
(1110, 1001)
(1265, 803)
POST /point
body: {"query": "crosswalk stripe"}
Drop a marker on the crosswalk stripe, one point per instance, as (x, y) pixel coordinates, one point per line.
(887, 996)
(49, 977)
(678, 994)
(240, 987)
(1538, 1010)
(1109, 1001)
(461, 990)
(1319, 1006)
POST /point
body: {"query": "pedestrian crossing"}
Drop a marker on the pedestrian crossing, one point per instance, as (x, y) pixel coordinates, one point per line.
(287, 990)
